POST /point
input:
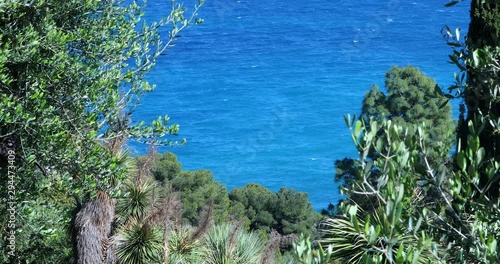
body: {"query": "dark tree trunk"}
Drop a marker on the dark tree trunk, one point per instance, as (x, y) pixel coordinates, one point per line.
(93, 229)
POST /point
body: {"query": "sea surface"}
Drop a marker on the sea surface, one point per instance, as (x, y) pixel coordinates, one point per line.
(260, 89)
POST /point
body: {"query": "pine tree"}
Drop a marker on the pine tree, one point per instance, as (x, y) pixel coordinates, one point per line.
(411, 98)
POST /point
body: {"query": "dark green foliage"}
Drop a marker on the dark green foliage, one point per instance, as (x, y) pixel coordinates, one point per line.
(412, 98)
(71, 74)
(197, 188)
(258, 203)
(329, 211)
(286, 211)
(294, 213)
(475, 189)
(166, 167)
(484, 27)
(481, 92)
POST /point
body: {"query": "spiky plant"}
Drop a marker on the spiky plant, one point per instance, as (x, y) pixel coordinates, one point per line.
(142, 212)
(228, 244)
(139, 242)
(182, 244)
(138, 199)
(181, 247)
(377, 239)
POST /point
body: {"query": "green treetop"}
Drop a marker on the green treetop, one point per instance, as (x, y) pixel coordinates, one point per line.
(412, 98)
(396, 169)
(286, 211)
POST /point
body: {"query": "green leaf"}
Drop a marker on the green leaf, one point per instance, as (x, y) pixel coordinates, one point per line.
(400, 254)
(461, 161)
(493, 246)
(476, 58)
(373, 236)
(448, 31)
(419, 222)
(357, 129)
(347, 120)
(479, 156)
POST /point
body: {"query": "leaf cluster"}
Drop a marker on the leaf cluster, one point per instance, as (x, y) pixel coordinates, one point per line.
(286, 211)
(71, 73)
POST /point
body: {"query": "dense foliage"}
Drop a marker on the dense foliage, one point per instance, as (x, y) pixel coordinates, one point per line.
(286, 211)
(186, 205)
(198, 188)
(152, 226)
(401, 225)
(412, 98)
(479, 58)
(71, 73)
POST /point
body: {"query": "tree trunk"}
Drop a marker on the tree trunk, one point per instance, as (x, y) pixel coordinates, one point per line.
(93, 229)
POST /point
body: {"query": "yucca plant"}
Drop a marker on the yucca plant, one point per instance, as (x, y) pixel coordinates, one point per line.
(144, 211)
(181, 248)
(139, 242)
(228, 244)
(137, 201)
(144, 216)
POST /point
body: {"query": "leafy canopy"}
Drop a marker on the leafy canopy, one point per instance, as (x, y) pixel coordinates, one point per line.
(411, 98)
(71, 73)
(286, 211)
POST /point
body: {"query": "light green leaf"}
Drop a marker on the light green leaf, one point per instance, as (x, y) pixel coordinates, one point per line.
(461, 161)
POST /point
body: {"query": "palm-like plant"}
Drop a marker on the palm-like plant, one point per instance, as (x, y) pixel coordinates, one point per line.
(139, 242)
(144, 212)
(138, 239)
(138, 200)
(181, 248)
(228, 244)
(376, 238)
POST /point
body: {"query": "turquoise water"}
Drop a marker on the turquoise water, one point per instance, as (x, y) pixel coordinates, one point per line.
(260, 88)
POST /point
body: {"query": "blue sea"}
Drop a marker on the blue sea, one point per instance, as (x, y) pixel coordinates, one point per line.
(260, 89)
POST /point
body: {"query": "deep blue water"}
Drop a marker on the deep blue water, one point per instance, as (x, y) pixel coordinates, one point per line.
(260, 89)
